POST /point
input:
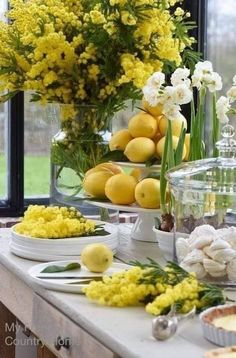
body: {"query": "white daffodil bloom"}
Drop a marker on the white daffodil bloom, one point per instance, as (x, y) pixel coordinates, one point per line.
(156, 80)
(171, 112)
(180, 76)
(204, 67)
(231, 94)
(196, 79)
(182, 94)
(234, 80)
(215, 82)
(222, 108)
(151, 95)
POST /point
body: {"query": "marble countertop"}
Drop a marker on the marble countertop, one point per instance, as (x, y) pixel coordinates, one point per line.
(126, 331)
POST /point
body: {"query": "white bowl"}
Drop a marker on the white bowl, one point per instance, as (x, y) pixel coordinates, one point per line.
(217, 335)
(166, 242)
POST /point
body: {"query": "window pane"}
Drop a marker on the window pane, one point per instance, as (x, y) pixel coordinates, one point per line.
(221, 44)
(38, 134)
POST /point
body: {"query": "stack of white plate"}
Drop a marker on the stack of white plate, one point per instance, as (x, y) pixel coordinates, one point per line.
(59, 249)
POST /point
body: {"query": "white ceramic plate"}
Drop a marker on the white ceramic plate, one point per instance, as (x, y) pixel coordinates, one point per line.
(138, 165)
(63, 284)
(36, 242)
(34, 255)
(134, 208)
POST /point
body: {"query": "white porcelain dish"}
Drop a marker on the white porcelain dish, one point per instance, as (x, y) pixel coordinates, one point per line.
(134, 208)
(51, 249)
(218, 335)
(63, 284)
(35, 256)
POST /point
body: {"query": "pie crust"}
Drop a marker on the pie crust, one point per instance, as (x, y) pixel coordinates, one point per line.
(218, 353)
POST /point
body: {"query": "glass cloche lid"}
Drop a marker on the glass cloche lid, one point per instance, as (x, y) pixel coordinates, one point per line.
(209, 175)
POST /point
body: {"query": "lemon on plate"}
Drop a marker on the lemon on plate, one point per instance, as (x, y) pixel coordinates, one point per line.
(94, 183)
(97, 257)
(161, 145)
(176, 125)
(147, 193)
(142, 125)
(120, 188)
(155, 111)
(140, 149)
(120, 139)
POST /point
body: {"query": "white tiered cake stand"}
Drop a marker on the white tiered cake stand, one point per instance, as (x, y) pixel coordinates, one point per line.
(143, 228)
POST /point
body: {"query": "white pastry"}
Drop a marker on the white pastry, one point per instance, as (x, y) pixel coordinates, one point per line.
(228, 235)
(197, 268)
(223, 255)
(203, 230)
(208, 251)
(182, 248)
(231, 270)
(193, 257)
(220, 244)
(201, 241)
(214, 268)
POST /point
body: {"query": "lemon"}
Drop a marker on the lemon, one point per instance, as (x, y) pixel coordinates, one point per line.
(161, 144)
(139, 150)
(114, 168)
(120, 188)
(120, 139)
(154, 111)
(147, 193)
(142, 125)
(187, 145)
(97, 257)
(176, 125)
(94, 183)
(136, 173)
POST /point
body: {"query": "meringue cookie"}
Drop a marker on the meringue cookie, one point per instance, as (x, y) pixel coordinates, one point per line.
(194, 257)
(214, 268)
(223, 255)
(201, 241)
(203, 230)
(197, 268)
(182, 248)
(231, 270)
(220, 244)
(208, 251)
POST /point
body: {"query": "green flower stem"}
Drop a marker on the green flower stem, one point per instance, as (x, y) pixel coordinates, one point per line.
(200, 147)
(163, 181)
(215, 127)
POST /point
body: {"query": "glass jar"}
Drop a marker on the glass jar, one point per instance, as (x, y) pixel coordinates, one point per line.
(204, 193)
(77, 146)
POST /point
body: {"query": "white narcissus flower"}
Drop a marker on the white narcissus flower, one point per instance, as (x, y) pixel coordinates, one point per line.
(231, 94)
(180, 76)
(171, 112)
(182, 94)
(234, 80)
(151, 95)
(156, 80)
(204, 67)
(214, 83)
(222, 107)
(196, 79)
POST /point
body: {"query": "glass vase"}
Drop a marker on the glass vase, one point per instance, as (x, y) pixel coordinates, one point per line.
(78, 146)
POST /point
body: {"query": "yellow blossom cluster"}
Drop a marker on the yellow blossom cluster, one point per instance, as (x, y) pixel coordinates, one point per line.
(158, 292)
(54, 222)
(88, 53)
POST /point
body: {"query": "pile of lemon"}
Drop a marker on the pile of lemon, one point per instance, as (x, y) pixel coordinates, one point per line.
(108, 180)
(145, 136)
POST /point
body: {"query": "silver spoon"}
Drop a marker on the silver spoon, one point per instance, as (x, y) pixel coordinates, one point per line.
(164, 327)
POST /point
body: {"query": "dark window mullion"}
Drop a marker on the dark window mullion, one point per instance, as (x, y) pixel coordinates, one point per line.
(15, 203)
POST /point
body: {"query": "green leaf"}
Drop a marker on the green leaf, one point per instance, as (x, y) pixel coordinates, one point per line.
(115, 155)
(152, 161)
(55, 268)
(154, 175)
